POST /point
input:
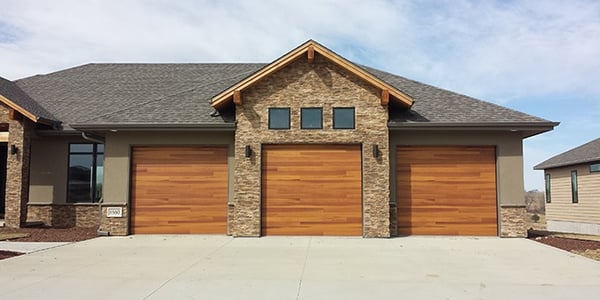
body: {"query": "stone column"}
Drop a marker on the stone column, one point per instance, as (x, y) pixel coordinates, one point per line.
(17, 172)
(512, 221)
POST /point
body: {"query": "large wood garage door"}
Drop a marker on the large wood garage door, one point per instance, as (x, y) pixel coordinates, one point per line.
(179, 190)
(446, 190)
(311, 190)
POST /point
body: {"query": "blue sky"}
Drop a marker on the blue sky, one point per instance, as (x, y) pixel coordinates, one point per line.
(539, 57)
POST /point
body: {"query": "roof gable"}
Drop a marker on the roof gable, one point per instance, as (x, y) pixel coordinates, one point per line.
(588, 152)
(308, 49)
(16, 99)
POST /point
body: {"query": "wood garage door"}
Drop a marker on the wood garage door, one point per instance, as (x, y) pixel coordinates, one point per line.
(311, 190)
(446, 190)
(179, 190)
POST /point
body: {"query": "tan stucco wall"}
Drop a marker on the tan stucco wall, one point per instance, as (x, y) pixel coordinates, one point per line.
(509, 156)
(117, 153)
(48, 168)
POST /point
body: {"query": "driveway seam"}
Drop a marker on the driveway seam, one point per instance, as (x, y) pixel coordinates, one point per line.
(188, 268)
(303, 268)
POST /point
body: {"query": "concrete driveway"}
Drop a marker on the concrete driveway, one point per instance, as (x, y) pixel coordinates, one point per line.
(218, 267)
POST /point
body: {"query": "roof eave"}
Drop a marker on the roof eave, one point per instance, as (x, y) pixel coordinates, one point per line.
(528, 129)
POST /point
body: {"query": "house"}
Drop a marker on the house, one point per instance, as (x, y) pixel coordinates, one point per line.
(310, 144)
(573, 190)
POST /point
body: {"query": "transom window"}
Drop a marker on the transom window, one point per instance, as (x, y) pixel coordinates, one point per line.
(311, 118)
(279, 118)
(85, 174)
(343, 118)
(595, 167)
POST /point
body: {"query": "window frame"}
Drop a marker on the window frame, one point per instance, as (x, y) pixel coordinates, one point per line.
(574, 188)
(333, 125)
(94, 171)
(289, 118)
(303, 109)
(548, 187)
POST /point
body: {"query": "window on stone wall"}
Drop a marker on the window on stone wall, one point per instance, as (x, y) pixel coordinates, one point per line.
(85, 174)
(547, 179)
(343, 118)
(574, 192)
(279, 118)
(311, 118)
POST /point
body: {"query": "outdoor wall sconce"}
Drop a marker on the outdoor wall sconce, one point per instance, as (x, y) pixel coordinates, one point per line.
(376, 151)
(13, 149)
(248, 151)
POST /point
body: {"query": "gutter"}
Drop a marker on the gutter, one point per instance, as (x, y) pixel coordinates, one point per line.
(535, 128)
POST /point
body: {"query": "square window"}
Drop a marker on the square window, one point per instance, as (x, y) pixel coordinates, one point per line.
(343, 118)
(279, 118)
(311, 118)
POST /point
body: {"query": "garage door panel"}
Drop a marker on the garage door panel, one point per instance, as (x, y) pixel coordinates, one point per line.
(179, 189)
(446, 190)
(311, 190)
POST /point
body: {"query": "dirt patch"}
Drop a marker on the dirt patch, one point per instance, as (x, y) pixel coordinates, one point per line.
(8, 254)
(587, 248)
(45, 234)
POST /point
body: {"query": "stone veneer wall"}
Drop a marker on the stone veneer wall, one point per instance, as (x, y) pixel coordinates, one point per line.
(512, 221)
(64, 215)
(115, 226)
(320, 84)
(17, 170)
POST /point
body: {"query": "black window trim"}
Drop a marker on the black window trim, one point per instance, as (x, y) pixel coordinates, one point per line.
(548, 187)
(353, 117)
(94, 179)
(574, 187)
(302, 117)
(289, 111)
(595, 167)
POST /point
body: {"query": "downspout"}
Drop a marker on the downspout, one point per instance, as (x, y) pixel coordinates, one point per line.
(99, 231)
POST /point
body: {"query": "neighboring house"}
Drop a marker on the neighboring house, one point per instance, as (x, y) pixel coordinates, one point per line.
(310, 144)
(573, 190)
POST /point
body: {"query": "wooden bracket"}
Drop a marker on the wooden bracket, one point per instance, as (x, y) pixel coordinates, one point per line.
(311, 54)
(14, 115)
(385, 97)
(237, 97)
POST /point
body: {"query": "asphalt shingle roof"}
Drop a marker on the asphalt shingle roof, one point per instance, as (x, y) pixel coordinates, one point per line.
(135, 93)
(589, 152)
(179, 94)
(434, 105)
(11, 91)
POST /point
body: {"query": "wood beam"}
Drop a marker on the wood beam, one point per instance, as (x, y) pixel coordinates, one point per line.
(14, 115)
(385, 97)
(311, 54)
(237, 97)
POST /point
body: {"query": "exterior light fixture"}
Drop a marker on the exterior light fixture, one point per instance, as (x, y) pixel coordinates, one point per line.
(376, 151)
(248, 151)
(13, 149)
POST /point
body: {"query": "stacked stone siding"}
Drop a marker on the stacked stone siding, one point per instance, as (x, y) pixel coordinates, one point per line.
(115, 226)
(320, 84)
(17, 170)
(65, 215)
(512, 222)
